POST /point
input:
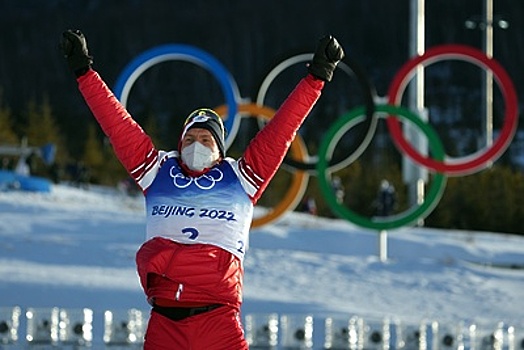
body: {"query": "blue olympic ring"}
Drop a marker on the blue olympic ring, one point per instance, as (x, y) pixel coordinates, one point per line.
(191, 54)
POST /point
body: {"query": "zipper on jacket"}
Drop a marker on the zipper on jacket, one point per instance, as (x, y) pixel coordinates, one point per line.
(179, 291)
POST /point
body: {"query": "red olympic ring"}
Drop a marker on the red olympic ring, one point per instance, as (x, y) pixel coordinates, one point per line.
(468, 165)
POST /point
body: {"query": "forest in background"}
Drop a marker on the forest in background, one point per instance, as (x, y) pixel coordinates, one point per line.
(39, 100)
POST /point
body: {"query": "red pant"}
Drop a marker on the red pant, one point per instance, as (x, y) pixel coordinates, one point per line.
(218, 329)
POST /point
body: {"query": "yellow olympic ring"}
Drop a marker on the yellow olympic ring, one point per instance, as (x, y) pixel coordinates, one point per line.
(298, 150)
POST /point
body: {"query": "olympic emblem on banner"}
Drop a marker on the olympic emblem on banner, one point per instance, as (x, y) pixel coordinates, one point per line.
(204, 182)
(324, 164)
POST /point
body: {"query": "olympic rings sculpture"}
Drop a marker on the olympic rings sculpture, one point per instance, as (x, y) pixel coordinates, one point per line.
(468, 164)
(411, 215)
(323, 165)
(191, 54)
(352, 69)
(300, 179)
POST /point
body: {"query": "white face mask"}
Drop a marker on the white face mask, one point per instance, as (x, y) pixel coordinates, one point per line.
(197, 157)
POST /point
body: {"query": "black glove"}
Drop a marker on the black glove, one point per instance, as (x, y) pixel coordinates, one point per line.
(74, 48)
(327, 55)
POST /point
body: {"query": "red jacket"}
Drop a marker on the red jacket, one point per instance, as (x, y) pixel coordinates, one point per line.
(196, 273)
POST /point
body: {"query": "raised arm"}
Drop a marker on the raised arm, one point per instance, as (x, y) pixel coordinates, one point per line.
(265, 153)
(132, 146)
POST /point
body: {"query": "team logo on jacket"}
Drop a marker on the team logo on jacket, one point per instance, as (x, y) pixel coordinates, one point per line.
(205, 181)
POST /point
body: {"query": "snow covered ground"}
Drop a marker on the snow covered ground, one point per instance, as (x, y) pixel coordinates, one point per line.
(74, 248)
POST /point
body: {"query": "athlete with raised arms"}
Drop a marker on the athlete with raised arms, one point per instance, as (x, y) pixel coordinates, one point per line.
(199, 202)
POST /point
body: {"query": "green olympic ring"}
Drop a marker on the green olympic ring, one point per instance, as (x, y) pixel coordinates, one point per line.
(405, 218)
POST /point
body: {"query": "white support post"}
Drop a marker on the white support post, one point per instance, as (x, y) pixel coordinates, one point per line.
(383, 245)
(412, 173)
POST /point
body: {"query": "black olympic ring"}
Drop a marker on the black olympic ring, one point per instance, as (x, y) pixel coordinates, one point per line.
(369, 124)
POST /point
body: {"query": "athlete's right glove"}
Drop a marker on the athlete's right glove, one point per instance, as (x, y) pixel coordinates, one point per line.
(326, 57)
(74, 49)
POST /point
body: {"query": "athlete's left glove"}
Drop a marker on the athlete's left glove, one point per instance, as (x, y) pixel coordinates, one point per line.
(327, 55)
(74, 48)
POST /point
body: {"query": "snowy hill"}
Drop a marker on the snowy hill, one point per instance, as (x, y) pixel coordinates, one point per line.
(74, 248)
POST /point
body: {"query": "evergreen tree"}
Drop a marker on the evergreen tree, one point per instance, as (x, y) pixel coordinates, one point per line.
(93, 155)
(113, 171)
(42, 129)
(490, 200)
(7, 134)
(151, 127)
